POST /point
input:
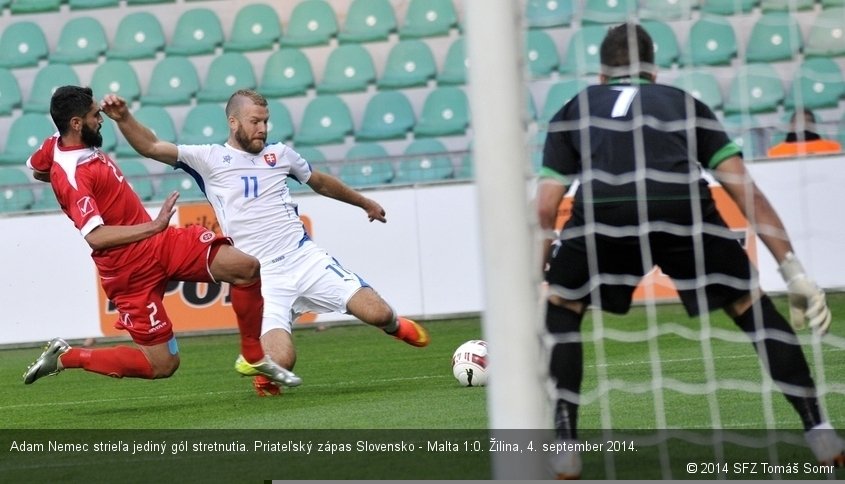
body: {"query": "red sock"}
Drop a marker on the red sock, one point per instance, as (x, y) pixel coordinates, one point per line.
(117, 361)
(249, 310)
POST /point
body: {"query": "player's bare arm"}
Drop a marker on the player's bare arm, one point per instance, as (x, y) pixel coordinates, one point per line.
(330, 186)
(110, 236)
(550, 193)
(141, 138)
(736, 180)
(43, 176)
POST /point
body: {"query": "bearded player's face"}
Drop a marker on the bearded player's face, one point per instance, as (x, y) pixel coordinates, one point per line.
(251, 133)
(91, 124)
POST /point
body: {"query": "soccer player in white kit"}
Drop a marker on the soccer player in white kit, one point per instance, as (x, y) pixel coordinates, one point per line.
(245, 182)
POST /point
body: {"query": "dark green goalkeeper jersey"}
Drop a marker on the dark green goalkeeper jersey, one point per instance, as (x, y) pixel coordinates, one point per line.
(635, 140)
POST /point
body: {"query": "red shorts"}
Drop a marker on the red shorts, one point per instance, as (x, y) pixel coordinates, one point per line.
(180, 254)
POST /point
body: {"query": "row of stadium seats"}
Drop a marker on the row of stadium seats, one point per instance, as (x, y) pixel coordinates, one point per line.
(542, 14)
(287, 72)
(326, 120)
(367, 164)
(256, 26)
(775, 36)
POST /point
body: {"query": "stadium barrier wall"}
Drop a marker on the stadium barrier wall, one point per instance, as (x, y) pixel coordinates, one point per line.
(425, 260)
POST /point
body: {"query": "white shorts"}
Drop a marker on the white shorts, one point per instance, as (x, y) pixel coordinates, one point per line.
(307, 279)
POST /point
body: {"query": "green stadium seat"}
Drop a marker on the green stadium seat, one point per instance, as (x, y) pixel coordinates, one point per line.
(368, 21)
(280, 127)
(174, 81)
(388, 115)
(818, 83)
(445, 112)
(138, 176)
(312, 22)
(666, 49)
(15, 193)
(139, 36)
(702, 84)
(755, 88)
(424, 160)
(366, 152)
(785, 5)
(47, 80)
(204, 124)
(544, 14)
(109, 134)
(10, 92)
(147, 2)
(287, 72)
(311, 154)
(349, 68)
(179, 181)
(34, 6)
(607, 11)
(727, 7)
(540, 53)
(366, 171)
(409, 63)
(826, 37)
(455, 65)
(25, 135)
(326, 120)
(22, 44)
(711, 41)
(582, 53)
(559, 94)
(227, 73)
(116, 76)
(81, 40)
(428, 18)
(775, 36)
(256, 27)
(92, 4)
(158, 120)
(667, 10)
(198, 31)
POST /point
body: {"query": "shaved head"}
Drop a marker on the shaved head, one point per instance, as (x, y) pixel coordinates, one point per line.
(243, 98)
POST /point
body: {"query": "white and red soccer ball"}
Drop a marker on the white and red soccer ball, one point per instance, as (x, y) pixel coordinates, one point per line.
(469, 363)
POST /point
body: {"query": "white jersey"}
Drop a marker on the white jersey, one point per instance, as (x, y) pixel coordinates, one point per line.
(250, 196)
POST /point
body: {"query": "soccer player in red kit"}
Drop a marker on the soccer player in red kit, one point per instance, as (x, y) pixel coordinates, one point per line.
(136, 255)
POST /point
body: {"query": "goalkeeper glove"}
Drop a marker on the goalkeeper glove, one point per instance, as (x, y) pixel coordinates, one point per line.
(807, 304)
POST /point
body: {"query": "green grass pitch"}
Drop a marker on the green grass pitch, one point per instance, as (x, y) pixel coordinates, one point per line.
(363, 392)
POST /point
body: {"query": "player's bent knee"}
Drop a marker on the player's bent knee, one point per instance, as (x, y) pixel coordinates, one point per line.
(165, 367)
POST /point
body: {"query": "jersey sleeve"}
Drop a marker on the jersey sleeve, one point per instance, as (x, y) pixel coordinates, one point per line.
(714, 145)
(300, 169)
(42, 159)
(76, 199)
(196, 157)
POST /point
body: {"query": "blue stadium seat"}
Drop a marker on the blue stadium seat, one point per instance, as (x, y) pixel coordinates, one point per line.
(81, 40)
(428, 18)
(256, 27)
(445, 112)
(368, 21)
(22, 44)
(349, 68)
(312, 22)
(424, 160)
(227, 73)
(198, 31)
(388, 115)
(25, 135)
(47, 80)
(139, 36)
(326, 120)
(287, 72)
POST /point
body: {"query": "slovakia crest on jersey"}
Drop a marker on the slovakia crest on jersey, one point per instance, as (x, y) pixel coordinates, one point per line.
(270, 159)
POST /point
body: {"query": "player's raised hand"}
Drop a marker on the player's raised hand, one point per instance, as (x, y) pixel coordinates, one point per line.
(114, 106)
(807, 303)
(374, 211)
(168, 209)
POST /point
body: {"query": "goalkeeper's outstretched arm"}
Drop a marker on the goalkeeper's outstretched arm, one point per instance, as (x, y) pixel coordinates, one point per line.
(807, 302)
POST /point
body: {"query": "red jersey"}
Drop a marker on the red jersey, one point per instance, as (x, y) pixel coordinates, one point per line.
(92, 191)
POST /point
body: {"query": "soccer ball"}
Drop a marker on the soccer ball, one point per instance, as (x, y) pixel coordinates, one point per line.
(469, 363)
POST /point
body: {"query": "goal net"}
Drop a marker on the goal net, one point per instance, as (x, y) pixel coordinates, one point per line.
(665, 395)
